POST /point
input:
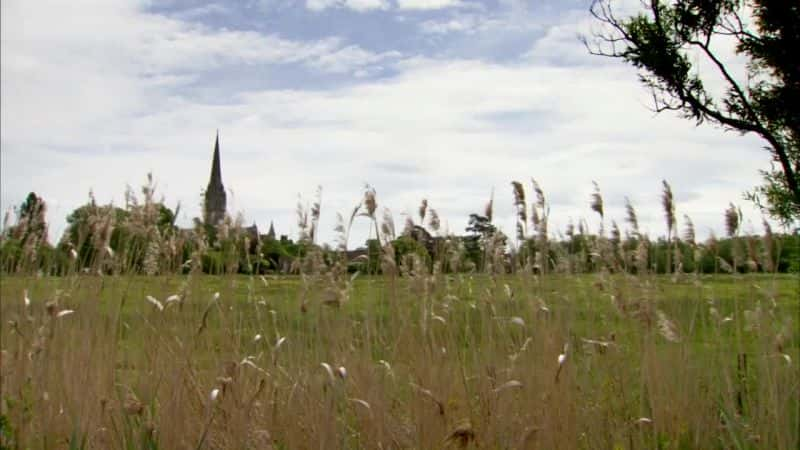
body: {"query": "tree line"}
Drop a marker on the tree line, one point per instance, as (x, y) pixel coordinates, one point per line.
(142, 238)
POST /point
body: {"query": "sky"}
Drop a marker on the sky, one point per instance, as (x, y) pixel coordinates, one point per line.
(446, 100)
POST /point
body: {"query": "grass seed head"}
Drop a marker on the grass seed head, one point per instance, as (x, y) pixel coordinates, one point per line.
(64, 312)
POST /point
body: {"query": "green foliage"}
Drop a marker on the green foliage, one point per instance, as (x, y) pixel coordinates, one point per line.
(665, 41)
(7, 435)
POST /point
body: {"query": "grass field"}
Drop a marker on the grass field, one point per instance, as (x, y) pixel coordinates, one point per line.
(421, 361)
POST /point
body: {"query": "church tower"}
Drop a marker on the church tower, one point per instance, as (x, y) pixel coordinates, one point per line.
(215, 199)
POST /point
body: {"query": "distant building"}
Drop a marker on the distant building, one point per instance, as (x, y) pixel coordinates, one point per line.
(215, 203)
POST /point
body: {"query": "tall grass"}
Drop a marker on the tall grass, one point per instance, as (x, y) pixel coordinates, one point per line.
(534, 350)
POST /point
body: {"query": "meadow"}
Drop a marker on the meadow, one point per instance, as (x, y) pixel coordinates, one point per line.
(117, 338)
(423, 360)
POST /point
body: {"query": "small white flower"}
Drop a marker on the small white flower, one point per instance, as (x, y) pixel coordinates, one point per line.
(342, 372)
(216, 296)
(787, 358)
(257, 338)
(214, 394)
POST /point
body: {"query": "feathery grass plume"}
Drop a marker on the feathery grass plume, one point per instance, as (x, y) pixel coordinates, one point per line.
(507, 385)
(461, 435)
(615, 236)
(429, 395)
(155, 302)
(522, 209)
(733, 217)
(642, 254)
(668, 203)
(341, 233)
(667, 328)
(725, 266)
(387, 226)
(370, 201)
(361, 402)
(541, 203)
(423, 209)
(489, 210)
(329, 371)
(599, 345)
(316, 208)
(408, 226)
(688, 231)
(131, 405)
(64, 312)
(343, 230)
(540, 213)
(433, 220)
(733, 222)
(631, 217)
(302, 219)
(596, 203)
(768, 242)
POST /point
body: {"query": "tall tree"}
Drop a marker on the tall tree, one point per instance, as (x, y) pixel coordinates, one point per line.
(669, 40)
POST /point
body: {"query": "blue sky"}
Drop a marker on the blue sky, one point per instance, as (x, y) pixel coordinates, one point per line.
(439, 99)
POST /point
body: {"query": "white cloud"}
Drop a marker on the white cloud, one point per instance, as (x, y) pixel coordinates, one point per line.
(355, 5)
(345, 59)
(428, 4)
(81, 113)
(455, 24)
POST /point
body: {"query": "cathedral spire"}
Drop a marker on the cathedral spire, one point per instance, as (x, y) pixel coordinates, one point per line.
(216, 171)
(215, 198)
